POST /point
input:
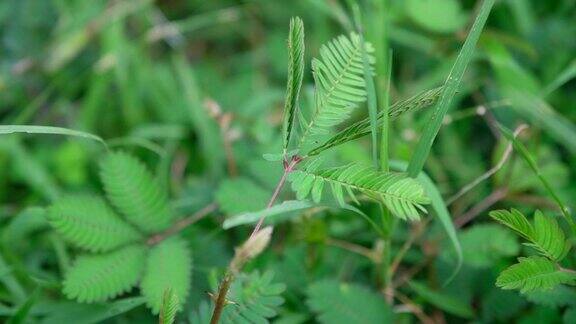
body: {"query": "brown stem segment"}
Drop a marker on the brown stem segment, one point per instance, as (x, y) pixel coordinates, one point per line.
(221, 298)
(182, 224)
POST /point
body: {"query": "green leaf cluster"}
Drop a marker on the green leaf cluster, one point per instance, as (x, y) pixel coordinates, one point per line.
(545, 236)
(119, 257)
(340, 88)
(340, 77)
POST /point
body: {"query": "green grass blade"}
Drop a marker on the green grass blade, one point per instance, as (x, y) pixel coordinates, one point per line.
(370, 88)
(295, 76)
(451, 85)
(385, 135)
(439, 207)
(566, 75)
(447, 302)
(48, 130)
(34, 173)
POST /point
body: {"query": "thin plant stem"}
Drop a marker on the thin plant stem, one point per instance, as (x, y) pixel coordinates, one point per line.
(416, 233)
(221, 297)
(414, 308)
(488, 202)
(288, 167)
(182, 224)
(489, 173)
(354, 248)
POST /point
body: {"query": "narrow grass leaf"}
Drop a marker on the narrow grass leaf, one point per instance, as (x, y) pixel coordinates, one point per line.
(370, 88)
(451, 85)
(48, 130)
(449, 303)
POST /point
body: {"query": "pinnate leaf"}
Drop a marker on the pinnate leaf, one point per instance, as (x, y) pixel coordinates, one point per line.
(402, 195)
(336, 303)
(534, 273)
(295, 76)
(89, 223)
(135, 192)
(99, 277)
(169, 266)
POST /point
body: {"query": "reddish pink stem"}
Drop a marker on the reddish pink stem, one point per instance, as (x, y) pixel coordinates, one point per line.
(288, 167)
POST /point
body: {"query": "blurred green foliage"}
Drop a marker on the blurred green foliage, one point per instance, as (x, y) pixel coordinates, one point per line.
(196, 89)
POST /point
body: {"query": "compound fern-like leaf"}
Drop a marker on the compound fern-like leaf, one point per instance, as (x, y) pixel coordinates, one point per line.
(514, 220)
(170, 306)
(169, 266)
(336, 303)
(295, 76)
(89, 223)
(256, 299)
(99, 277)
(556, 297)
(403, 196)
(135, 192)
(534, 273)
(362, 128)
(549, 238)
(545, 235)
(340, 86)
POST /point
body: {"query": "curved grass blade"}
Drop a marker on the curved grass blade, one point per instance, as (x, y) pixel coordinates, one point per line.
(49, 130)
(450, 87)
(370, 87)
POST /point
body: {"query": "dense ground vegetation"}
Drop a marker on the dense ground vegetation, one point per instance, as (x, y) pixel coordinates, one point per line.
(309, 161)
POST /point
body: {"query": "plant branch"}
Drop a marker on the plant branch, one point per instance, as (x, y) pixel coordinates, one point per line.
(489, 173)
(412, 307)
(355, 248)
(288, 167)
(414, 235)
(493, 198)
(182, 224)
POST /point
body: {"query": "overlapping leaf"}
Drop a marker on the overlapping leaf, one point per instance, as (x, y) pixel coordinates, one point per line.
(402, 195)
(98, 277)
(170, 306)
(545, 235)
(361, 128)
(89, 223)
(514, 220)
(135, 192)
(169, 266)
(340, 86)
(534, 273)
(336, 303)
